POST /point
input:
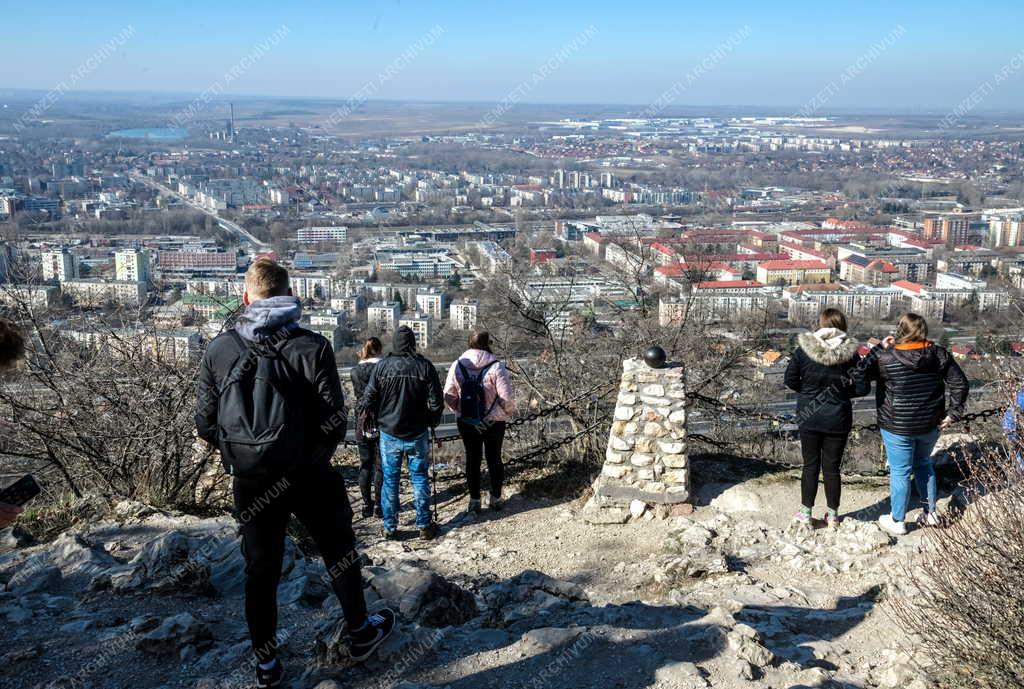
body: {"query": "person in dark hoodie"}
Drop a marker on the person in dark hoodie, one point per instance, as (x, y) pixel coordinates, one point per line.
(370, 475)
(404, 394)
(268, 367)
(913, 376)
(820, 373)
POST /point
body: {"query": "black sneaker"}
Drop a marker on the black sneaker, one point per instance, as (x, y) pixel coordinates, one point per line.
(429, 533)
(496, 504)
(389, 535)
(367, 511)
(363, 643)
(267, 679)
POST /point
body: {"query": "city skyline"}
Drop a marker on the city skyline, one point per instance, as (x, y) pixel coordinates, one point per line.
(794, 55)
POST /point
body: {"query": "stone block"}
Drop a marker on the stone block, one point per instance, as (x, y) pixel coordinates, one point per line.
(631, 428)
(620, 444)
(653, 390)
(613, 471)
(678, 416)
(646, 473)
(671, 448)
(616, 457)
(676, 476)
(624, 413)
(674, 461)
(627, 398)
(645, 445)
(619, 428)
(641, 460)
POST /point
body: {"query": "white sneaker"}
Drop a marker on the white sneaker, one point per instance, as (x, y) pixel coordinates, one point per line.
(892, 526)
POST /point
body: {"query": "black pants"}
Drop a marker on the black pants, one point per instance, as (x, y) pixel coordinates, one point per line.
(481, 441)
(823, 454)
(317, 496)
(370, 474)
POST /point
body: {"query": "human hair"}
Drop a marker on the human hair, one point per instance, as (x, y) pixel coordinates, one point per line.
(12, 343)
(832, 318)
(265, 278)
(480, 340)
(911, 328)
(371, 348)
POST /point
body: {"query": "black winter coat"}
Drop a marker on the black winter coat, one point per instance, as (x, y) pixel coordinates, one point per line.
(404, 393)
(307, 354)
(360, 376)
(824, 382)
(911, 390)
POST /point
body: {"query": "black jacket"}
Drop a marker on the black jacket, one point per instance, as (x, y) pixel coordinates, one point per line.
(360, 375)
(404, 391)
(823, 381)
(911, 390)
(307, 354)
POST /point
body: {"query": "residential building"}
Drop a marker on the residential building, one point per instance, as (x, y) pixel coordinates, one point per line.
(315, 235)
(97, 292)
(433, 302)
(131, 265)
(463, 314)
(31, 296)
(59, 265)
(307, 286)
(422, 326)
(383, 316)
(197, 261)
(861, 301)
(793, 272)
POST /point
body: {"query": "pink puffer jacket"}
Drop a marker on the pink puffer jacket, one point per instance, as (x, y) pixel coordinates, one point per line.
(498, 393)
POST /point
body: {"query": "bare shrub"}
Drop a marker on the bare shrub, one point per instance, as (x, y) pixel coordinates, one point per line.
(966, 605)
(107, 413)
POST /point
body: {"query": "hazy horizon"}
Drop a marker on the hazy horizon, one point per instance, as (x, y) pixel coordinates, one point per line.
(914, 56)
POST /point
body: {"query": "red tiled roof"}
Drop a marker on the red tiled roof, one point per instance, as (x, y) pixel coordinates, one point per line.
(908, 285)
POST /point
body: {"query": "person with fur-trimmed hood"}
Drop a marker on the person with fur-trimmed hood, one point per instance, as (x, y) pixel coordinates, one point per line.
(820, 373)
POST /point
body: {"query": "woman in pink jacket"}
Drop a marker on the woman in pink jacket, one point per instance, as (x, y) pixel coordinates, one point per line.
(479, 390)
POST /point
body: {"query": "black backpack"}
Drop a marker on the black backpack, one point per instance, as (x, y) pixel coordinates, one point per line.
(473, 407)
(262, 416)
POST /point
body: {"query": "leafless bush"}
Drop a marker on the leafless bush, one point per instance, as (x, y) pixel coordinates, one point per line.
(107, 414)
(967, 608)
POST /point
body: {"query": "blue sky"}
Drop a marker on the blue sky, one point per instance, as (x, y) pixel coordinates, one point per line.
(896, 54)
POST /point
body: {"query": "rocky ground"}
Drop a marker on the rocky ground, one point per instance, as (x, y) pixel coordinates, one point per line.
(730, 595)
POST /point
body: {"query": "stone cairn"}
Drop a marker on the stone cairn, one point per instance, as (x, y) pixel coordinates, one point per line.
(645, 464)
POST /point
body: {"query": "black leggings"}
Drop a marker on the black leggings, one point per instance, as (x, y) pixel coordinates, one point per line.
(317, 496)
(370, 474)
(823, 453)
(480, 441)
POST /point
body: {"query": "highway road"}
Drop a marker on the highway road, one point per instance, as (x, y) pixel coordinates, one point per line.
(244, 236)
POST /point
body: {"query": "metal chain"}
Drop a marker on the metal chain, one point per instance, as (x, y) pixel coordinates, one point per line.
(560, 406)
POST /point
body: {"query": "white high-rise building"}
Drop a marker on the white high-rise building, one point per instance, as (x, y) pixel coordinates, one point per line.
(422, 326)
(315, 235)
(432, 302)
(131, 265)
(463, 314)
(59, 265)
(383, 316)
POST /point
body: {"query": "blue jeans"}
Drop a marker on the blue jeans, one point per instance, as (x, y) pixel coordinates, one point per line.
(906, 454)
(418, 451)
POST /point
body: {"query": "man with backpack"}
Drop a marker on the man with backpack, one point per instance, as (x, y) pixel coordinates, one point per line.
(479, 390)
(269, 398)
(404, 396)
